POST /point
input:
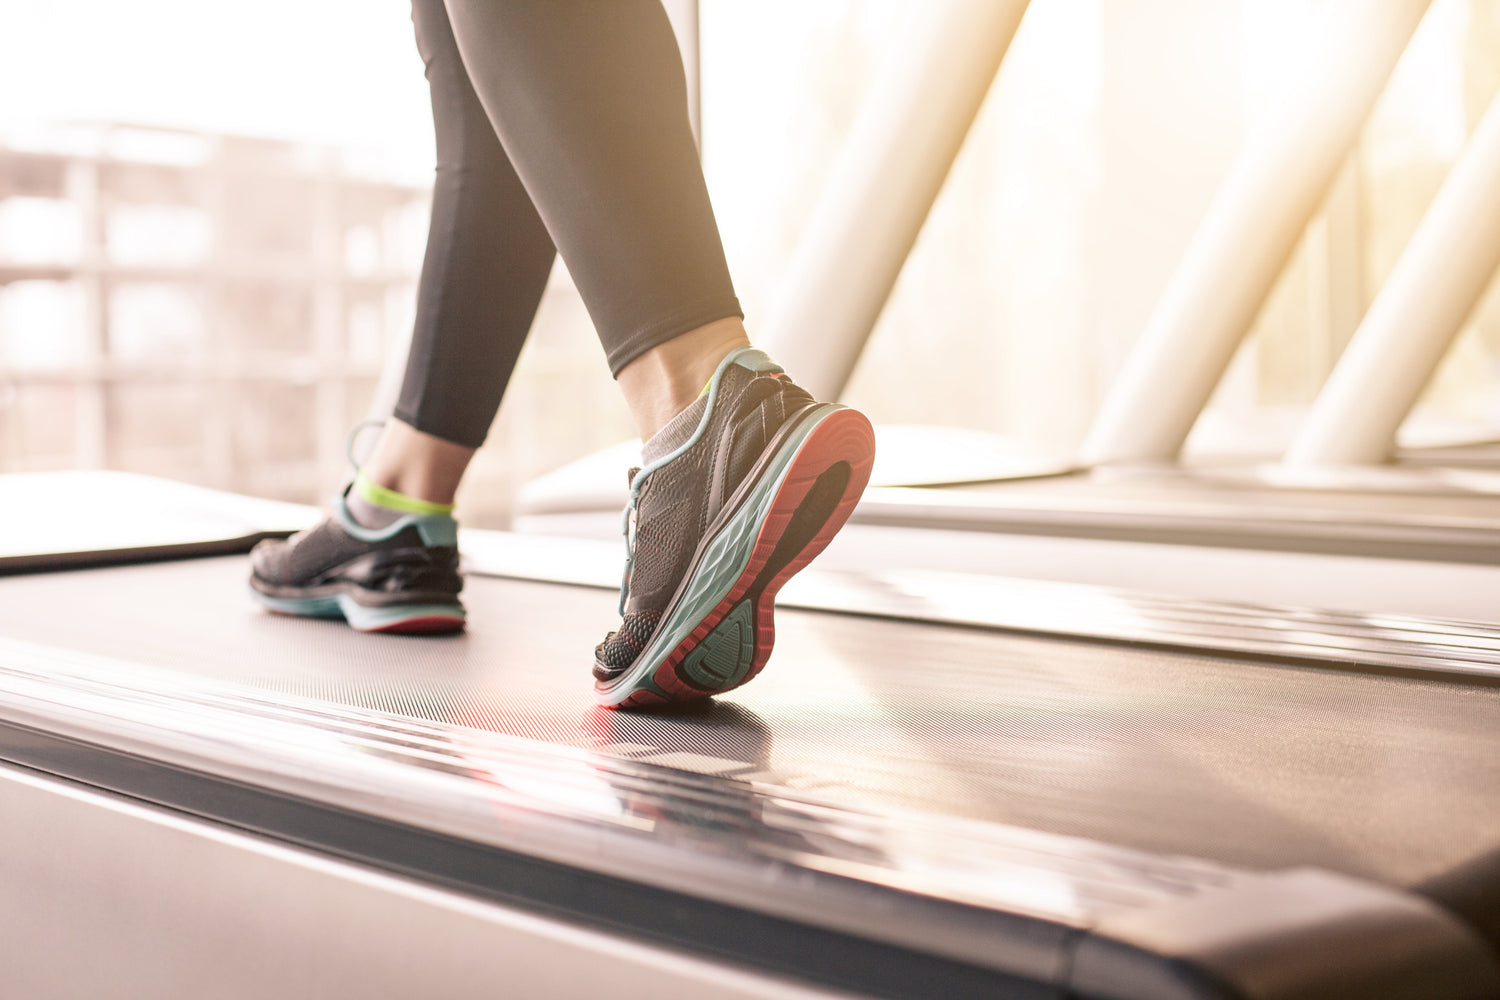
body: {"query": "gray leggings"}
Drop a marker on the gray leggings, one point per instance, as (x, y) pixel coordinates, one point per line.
(559, 123)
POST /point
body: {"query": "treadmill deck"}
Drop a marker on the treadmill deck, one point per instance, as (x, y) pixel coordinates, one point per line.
(1249, 764)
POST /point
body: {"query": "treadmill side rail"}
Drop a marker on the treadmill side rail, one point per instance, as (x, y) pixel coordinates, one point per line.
(205, 910)
(1294, 935)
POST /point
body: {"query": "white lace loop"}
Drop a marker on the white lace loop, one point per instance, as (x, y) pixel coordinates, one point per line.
(353, 439)
(627, 528)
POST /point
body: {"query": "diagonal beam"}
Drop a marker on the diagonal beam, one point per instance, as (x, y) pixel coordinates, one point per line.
(1413, 321)
(882, 186)
(1251, 229)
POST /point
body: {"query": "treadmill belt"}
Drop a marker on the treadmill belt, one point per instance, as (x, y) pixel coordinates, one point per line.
(1249, 764)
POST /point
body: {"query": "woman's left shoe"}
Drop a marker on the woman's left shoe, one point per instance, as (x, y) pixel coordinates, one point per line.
(402, 578)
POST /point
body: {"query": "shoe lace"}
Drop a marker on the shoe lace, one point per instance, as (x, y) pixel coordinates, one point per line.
(627, 528)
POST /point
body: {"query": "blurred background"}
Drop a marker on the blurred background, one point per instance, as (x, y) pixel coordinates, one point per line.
(212, 217)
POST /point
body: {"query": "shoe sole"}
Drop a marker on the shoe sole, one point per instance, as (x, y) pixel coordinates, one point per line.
(718, 633)
(394, 619)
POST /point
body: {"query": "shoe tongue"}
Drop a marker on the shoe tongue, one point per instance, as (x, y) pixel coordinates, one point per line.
(678, 430)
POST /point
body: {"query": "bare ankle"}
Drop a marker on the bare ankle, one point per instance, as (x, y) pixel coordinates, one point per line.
(665, 380)
(416, 464)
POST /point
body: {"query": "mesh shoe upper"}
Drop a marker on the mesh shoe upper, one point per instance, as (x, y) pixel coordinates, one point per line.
(680, 499)
(395, 562)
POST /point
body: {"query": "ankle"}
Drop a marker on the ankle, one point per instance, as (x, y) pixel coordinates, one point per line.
(415, 465)
(665, 380)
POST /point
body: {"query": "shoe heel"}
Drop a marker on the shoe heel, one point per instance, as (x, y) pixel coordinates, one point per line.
(725, 656)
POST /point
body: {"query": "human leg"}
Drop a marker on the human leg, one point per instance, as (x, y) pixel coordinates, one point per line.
(663, 381)
(416, 464)
(385, 558)
(487, 260)
(745, 476)
(590, 103)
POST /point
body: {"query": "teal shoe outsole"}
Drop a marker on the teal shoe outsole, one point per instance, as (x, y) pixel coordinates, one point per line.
(404, 619)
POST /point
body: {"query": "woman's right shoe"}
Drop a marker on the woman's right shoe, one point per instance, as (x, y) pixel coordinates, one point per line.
(403, 578)
(738, 493)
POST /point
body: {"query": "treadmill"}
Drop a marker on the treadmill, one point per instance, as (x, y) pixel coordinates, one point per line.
(944, 785)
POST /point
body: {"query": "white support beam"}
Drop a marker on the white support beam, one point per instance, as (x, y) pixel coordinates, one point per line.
(889, 171)
(1413, 321)
(1248, 234)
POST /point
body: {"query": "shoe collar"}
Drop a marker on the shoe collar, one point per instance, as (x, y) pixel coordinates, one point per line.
(434, 529)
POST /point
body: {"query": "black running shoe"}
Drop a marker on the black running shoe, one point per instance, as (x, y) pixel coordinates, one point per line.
(402, 578)
(738, 493)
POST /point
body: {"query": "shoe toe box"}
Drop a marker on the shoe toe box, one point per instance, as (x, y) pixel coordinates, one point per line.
(267, 559)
